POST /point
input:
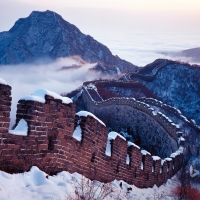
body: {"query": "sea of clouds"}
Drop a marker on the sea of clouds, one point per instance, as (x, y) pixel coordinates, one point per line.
(26, 78)
(143, 48)
(137, 48)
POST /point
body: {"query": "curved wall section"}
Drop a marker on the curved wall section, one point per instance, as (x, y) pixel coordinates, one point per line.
(122, 113)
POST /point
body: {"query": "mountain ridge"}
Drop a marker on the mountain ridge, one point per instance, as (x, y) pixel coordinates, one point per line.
(47, 35)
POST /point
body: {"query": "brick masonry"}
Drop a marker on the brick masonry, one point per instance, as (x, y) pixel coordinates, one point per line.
(50, 145)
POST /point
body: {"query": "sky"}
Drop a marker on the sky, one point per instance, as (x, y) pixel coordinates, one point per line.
(110, 16)
(135, 30)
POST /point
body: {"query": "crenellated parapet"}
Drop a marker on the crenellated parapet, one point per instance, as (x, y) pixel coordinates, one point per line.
(49, 134)
(139, 116)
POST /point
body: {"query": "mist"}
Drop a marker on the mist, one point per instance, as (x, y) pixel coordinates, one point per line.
(26, 78)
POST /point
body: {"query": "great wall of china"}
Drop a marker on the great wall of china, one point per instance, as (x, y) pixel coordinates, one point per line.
(50, 144)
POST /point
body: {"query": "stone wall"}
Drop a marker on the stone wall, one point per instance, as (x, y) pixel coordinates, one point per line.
(50, 146)
(157, 133)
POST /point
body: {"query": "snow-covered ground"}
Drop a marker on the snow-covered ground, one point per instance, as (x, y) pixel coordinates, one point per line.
(37, 185)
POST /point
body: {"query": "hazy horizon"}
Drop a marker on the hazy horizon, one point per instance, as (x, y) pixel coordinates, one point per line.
(103, 16)
(135, 30)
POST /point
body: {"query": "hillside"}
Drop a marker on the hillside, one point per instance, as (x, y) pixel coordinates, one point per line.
(174, 83)
(46, 35)
(193, 53)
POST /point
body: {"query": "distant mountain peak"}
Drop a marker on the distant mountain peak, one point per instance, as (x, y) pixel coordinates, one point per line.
(47, 35)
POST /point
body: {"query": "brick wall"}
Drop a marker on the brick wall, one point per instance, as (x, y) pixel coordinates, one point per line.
(50, 145)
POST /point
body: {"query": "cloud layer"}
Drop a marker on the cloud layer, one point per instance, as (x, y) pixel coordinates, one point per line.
(25, 79)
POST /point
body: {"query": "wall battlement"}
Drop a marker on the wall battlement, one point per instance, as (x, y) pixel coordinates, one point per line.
(132, 113)
(50, 145)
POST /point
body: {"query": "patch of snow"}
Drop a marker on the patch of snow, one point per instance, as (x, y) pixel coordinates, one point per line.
(156, 158)
(39, 95)
(151, 109)
(77, 96)
(111, 136)
(118, 71)
(154, 113)
(20, 129)
(132, 144)
(108, 148)
(178, 152)
(144, 152)
(193, 121)
(3, 82)
(162, 162)
(127, 159)
(168, 159)
(91, 86)
(142, 166)
(86, 114)
(185, 118)
(77, 134)
(36, 184)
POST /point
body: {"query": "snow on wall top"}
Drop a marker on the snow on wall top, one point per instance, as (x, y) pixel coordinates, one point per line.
(178, 152)
(3, 82)
(113, 135)
(144, 152)
(132, 144)
(39, 95)
(86, 113)
(156, 158)
(20, 129)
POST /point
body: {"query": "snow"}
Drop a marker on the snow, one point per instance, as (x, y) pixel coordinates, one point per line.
(181, 139)
(177, 126)
(193, 121)
(168, 159)
(162, 162)
(112, 136)
(39, 95)
(185, 118)
(132, 144)
(142, 166)
(154, 113)
(144, 152)
(86, 114)
(108, 148)
(36, 184)
(91, 87)
(3, 82)
(178, 152)
(156, 158)
(77, 96)
(20, 129)
(77, 134)
(127, 159)
(118, 71)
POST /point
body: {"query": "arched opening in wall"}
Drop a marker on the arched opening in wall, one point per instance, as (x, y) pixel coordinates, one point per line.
(93, 157)
(51, 143)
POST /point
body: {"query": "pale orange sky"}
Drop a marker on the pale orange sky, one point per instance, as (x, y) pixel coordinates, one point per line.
(111, 15)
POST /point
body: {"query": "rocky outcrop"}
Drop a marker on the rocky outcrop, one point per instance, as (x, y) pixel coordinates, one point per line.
(44, 35)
